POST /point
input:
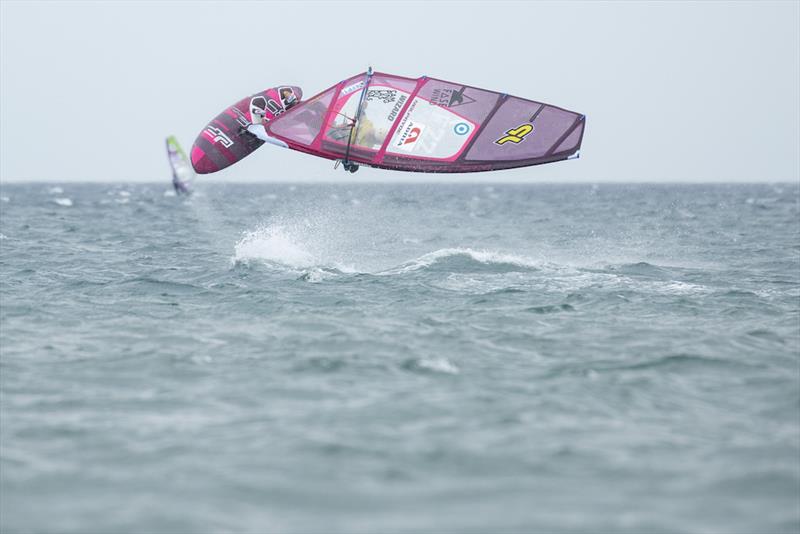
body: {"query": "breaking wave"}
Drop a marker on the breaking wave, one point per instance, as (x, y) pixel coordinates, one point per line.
(277, 246)
(467, 260)
(272, 245)
(311, 255)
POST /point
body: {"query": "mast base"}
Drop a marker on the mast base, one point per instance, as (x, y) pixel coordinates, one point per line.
(350, 166)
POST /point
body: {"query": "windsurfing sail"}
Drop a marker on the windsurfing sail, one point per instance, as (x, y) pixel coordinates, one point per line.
(182, 173)
(428, 125)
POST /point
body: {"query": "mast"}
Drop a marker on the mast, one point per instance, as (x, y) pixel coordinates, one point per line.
(348, 165)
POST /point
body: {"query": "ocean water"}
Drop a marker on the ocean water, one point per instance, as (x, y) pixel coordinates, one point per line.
(400, 358)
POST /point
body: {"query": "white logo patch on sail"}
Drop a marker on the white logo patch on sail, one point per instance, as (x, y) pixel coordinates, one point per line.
(353, 87)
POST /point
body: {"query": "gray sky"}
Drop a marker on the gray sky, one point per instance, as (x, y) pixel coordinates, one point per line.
(684, 91)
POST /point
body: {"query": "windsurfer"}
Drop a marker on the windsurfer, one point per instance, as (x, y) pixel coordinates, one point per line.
(181, 169)
(179, 186)
(367, 135)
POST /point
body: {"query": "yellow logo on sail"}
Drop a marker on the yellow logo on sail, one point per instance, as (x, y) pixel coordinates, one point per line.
(516, 135)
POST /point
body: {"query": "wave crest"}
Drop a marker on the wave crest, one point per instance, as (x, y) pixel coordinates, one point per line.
(467, 260)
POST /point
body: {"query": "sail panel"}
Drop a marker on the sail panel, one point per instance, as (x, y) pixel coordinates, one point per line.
(521, 130)
(431, 132)
(468, 102)
(306, 120)
(571, 143)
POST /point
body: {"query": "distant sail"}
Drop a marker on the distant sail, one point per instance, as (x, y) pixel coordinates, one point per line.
(428, 125)
(182, 173)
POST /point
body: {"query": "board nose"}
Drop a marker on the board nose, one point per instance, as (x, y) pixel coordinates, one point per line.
(201, 163)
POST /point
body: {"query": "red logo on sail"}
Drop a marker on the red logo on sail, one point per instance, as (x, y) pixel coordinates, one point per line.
(412, 135)
(408, 139)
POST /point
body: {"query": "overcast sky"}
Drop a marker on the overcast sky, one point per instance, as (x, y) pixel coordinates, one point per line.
(683, 91)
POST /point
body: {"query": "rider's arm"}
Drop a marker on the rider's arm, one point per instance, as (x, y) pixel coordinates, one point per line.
(259, 131)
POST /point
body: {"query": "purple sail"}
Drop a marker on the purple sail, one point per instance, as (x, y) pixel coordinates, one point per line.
(428, 125)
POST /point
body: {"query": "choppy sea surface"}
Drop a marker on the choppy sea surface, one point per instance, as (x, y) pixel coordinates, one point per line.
(400, 358)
